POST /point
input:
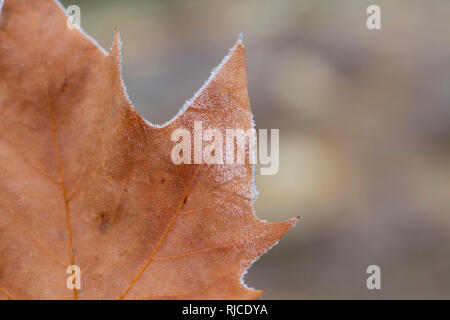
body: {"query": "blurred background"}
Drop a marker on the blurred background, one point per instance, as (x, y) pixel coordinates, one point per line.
(364, 119)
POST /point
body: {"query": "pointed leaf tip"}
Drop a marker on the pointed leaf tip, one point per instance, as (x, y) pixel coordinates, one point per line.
(116, 45)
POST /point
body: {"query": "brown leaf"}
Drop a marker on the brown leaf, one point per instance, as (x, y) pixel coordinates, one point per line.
(85, 181)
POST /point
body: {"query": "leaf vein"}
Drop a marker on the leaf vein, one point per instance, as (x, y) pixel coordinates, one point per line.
(169, 226)
(63, 185)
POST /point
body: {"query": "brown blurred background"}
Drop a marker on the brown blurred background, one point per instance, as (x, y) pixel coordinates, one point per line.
(364, 119)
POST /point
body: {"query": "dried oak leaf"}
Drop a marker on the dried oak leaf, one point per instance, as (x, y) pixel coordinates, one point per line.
(85, 181)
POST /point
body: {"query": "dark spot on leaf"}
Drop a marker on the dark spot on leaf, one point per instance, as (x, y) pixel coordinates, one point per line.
(162, 180)
(103, 222)
(64, 85)
(185, 200)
